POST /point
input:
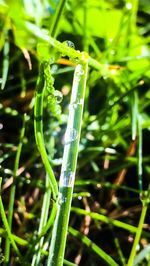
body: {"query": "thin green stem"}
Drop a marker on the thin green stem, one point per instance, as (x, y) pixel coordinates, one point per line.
(120, 253)
(50, 220)
(43, 221)
(18, 240)
(138, 235)
(60, 47)
(134, 107)
(93, 247)
(7, 228)
(140, 153)
(5, 67)
(134, 15)
(105, 219)
(85, 31)
(66, 262)
(72, 137)
(13, 190)
(56, 18)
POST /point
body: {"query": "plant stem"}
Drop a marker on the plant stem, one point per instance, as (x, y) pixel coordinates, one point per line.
(134, 107)
(72, 137)
(13, 190)
(5, 67)
(138, 235)
(85, 31)
(18, 240)
(43, 220)
(7, 228)
(140, 181)
(68, 51)
(93, 247)
(56, 18)
(50, 178)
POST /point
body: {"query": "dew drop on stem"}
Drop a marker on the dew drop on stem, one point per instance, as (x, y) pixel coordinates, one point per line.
(70, 135)
(79, 197)
(79, 71)
(67, 178)
(69, 44)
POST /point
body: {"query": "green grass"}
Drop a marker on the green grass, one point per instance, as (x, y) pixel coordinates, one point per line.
(92, 52)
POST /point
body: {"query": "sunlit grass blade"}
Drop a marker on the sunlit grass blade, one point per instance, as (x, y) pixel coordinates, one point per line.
(72, 137)
(57, 17)
(5, 66)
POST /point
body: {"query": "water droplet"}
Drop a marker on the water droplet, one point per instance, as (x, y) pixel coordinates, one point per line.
(81, 101)
(69, 44)
(74, 105)
(61, 198)
(75, 60)
(129, 5)
(70, 135)
(51, 60)
(58, 96)
(79, 72)
(105, 77)
(64, 199)
(51, 100)
(58, 110)
(79, 197)
(1, 126)
(112, 52)
(67, 178)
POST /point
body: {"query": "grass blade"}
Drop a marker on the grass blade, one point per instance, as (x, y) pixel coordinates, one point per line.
(5, 67)
(93, 247)
(13, 189)
(72, 137)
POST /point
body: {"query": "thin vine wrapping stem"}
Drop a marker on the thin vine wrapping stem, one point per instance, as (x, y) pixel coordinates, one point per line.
(72, 137)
